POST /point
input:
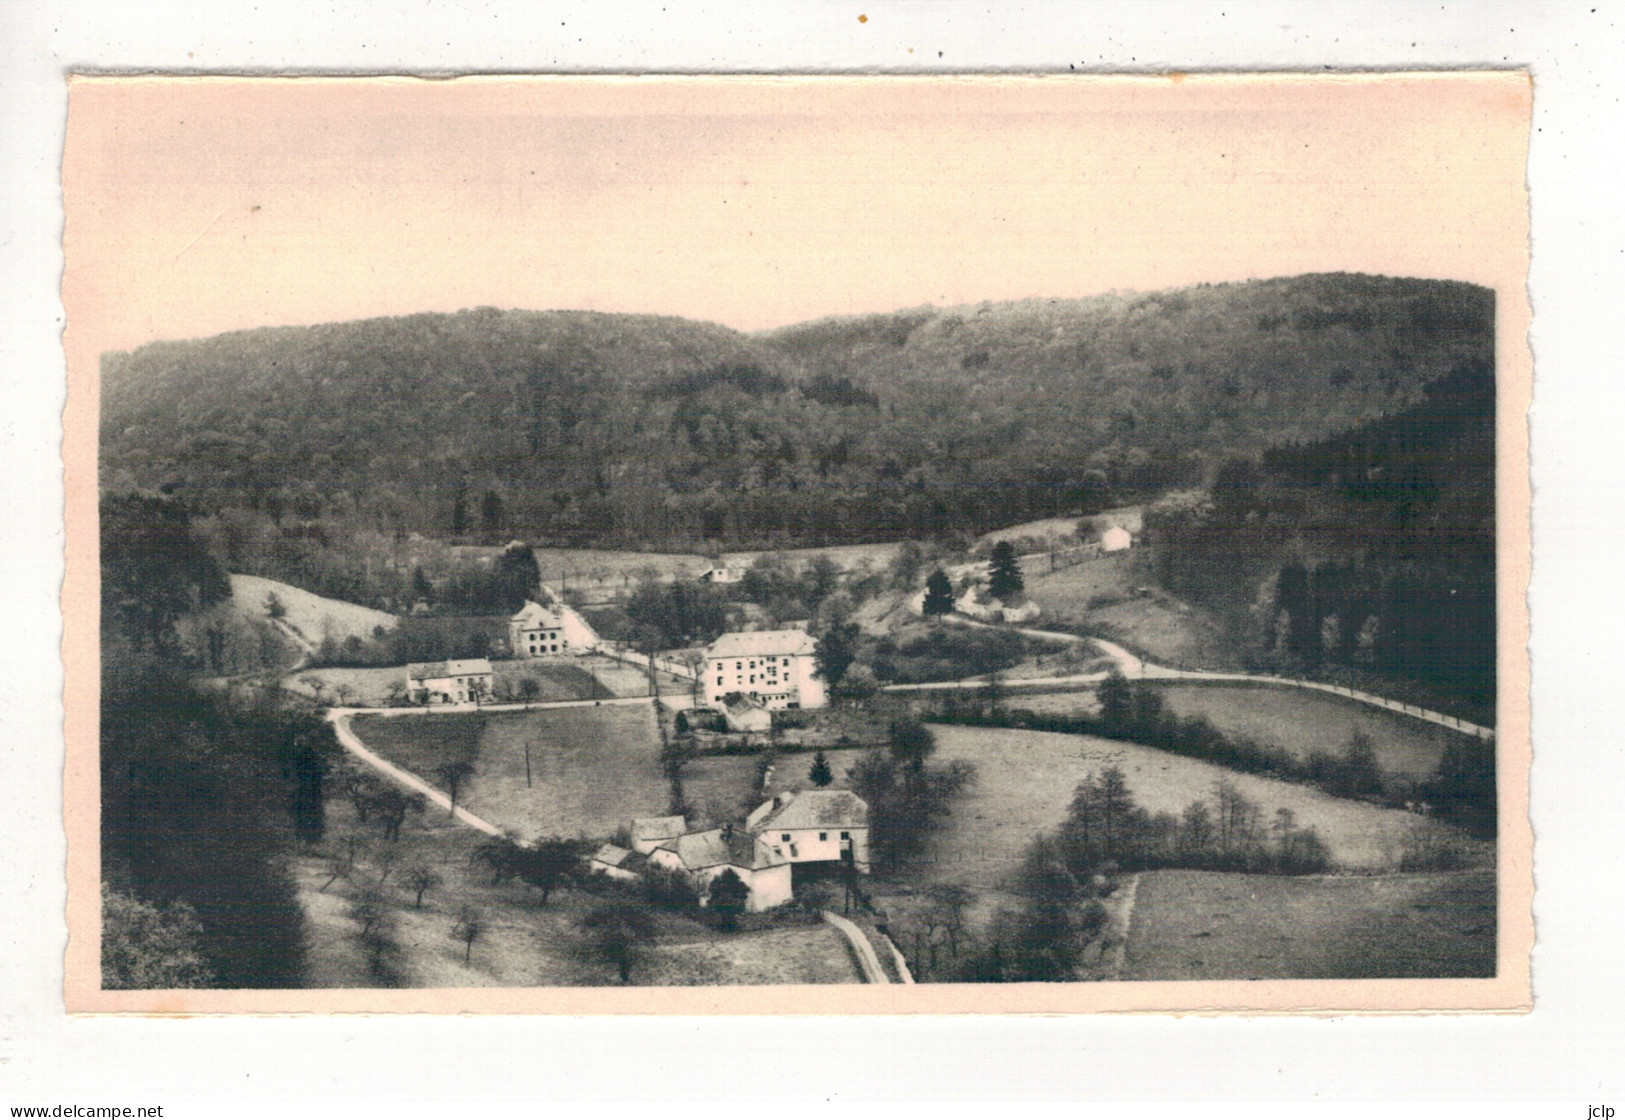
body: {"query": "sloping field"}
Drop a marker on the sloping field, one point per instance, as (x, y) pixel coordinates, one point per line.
(1025, 781)
(813, 954)
(590, 768)
(311, 615)
(1104, 594)
(1291, 719)
(1198, 925)
(523, 944)
(1302, 721)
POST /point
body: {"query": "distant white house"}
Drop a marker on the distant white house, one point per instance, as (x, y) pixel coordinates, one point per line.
(722, 574)
(548, 629)
(705, 855)
(1116, 539)
(776, 668)
(815, 826)
(449, 682)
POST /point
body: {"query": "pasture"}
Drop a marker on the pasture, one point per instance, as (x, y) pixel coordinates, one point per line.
(311, 615)
(1197, 925)
(1291, 719)
(1025, 781)
(1104, 595)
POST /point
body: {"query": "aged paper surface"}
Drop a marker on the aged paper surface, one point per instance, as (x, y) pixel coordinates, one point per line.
(200, 206)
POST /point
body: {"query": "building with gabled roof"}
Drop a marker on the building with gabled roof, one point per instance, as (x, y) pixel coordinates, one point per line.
(549, 628)
(815, 826)
(705, 855)
(648, 833)
(775, 668)
(449, 682)
(617, 862)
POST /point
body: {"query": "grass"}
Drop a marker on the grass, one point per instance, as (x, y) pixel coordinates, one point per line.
(1295, 720)
(559, 680)
(310, 614)
(1025, 781)
(524, 944)
(423, 744)
(1101, 596)
(1191, 925)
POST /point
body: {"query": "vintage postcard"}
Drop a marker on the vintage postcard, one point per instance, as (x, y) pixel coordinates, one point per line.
(798, 545)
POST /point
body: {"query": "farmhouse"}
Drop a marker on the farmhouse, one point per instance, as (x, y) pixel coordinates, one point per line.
(815, 826)
(705, 855)
(543, 630)
(722, 575)
(449, 682)
(1115, 539)
(776, 668)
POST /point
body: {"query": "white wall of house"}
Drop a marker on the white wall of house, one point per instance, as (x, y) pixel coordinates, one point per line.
(785, 681)
(450, 690)
(769, 887)
(811, 845)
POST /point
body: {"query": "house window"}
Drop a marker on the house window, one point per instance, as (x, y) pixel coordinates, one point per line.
(719, 682)
(823, 836)
(784, 836)
(846, 836)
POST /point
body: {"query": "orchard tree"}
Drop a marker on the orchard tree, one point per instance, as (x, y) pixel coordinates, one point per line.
(912, 742)
(619, 934)
(452, 776)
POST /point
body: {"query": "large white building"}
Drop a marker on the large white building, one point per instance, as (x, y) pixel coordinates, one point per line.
(776, 668)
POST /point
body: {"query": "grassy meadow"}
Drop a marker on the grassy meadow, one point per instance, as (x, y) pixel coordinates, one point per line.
(1197, 925)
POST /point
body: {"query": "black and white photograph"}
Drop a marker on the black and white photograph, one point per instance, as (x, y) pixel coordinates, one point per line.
(892, 541)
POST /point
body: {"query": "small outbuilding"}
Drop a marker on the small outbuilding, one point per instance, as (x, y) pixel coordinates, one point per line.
(1116, 539)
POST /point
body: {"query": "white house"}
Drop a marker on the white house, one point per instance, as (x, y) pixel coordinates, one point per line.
(1115, 539)
(544, 630)
(815, 826)
(648, 833)
(721, 574)
(776, 668)
(705, 855)
(449, 682)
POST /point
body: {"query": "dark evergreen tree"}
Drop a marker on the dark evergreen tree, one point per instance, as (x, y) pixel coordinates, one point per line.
(1004, 573)
(939, 594)
(819, 774)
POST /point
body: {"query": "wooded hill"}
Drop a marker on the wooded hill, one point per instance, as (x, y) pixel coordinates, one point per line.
(577, 427)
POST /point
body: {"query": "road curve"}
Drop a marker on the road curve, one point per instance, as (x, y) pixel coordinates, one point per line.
(1136, 668)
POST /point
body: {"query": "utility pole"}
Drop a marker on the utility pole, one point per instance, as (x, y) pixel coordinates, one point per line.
(527, 763)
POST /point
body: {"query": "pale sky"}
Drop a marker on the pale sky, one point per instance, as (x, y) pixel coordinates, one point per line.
(202, 205)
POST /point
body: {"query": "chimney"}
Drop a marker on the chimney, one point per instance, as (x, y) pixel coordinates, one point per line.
(727, 832)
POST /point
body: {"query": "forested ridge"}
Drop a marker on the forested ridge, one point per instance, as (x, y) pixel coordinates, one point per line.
(1372, 550)
(584, 428)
